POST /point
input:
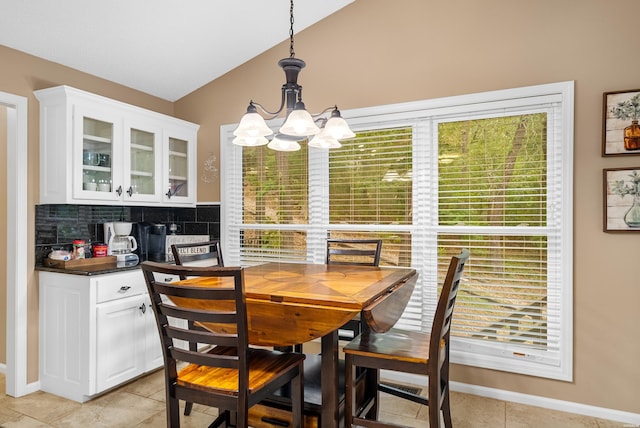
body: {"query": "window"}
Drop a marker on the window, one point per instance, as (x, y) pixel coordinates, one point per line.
(490, 172)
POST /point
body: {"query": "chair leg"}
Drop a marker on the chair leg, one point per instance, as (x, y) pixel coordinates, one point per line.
(434, 401)
(173, 412)
(349, 399)
(297, 400)
(242, 421)
(372, 381)
(444, 390)
(446, 410)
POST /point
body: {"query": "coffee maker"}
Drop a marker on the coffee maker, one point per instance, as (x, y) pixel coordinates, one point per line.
(120, 243)
(152, 241)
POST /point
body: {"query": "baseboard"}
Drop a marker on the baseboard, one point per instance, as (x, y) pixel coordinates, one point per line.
(29, 388)
(32, 387)
(633, 419)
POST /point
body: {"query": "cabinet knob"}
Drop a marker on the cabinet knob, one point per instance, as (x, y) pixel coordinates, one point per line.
(168, 194)
(143, 308)
(119, 190)
(130, 191)
(124, 288)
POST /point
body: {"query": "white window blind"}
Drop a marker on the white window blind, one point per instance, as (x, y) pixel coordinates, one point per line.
(275, 193)
(489, 172)
(492, 173)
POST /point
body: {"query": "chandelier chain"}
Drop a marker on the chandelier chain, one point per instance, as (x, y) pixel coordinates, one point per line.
(292, 53)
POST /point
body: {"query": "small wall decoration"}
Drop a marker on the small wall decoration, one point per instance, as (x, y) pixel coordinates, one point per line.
(209, 170)
(622, 199)
(620, 128)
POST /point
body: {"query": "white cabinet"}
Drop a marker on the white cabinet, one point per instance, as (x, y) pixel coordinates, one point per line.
(94, 150)
(96, 332)
(128, 344)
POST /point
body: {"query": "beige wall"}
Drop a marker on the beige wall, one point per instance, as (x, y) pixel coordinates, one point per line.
(21, 75)
(377, 52)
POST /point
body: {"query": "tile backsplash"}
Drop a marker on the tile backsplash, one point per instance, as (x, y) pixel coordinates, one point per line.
(58, 225)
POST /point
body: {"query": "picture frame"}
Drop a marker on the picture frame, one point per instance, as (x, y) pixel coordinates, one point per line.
(620, 128)
(621, 199)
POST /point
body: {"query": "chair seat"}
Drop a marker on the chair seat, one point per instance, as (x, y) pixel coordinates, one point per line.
(395, 344)
(264, 366)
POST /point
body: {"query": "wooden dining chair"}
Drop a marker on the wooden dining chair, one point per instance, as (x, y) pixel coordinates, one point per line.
(206, 253)
(409, 352)
(231, 375)
(364, 252)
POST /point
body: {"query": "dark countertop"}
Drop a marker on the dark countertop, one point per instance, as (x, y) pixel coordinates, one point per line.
(90, 270)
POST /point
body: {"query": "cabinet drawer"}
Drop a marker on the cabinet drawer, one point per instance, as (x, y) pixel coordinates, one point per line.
(120, 285)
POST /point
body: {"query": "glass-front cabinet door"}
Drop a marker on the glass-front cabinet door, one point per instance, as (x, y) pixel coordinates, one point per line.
(178, 168)
(142, 163)
(95, 162)
(180, 174)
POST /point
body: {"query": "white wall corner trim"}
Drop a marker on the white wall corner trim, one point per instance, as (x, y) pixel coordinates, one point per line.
(16, 230)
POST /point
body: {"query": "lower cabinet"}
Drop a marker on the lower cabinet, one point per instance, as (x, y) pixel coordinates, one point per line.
(96, 332)
(128, 345)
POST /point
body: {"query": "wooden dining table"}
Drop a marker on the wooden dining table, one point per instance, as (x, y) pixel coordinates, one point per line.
(292, 303)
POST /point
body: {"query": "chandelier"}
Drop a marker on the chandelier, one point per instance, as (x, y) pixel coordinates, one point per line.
(326, 128)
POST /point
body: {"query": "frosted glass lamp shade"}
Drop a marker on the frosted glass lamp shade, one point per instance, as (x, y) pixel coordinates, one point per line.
(283, 145)
(323, 141)
(299, 123)
(252, 125)
(250, 141)
(337, 128)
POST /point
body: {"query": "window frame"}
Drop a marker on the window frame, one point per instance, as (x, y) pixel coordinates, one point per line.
(423, 116)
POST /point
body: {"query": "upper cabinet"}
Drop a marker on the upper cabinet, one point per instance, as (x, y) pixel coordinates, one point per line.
(94, 150)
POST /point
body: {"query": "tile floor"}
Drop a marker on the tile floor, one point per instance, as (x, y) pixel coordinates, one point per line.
(141, 404)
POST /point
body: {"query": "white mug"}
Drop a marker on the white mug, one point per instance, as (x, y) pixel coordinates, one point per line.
(90, 186)
(104, 187)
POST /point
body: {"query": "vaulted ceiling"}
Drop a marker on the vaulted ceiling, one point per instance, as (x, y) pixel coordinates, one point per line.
(165, 48)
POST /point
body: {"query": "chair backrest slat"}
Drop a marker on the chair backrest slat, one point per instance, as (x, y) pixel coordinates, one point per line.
(194, 292)
(195, 253)
(365, 252)
(202, 336)
(219, 316)
(211, 360)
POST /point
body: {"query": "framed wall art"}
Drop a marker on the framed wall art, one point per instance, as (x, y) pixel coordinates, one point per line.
(621, 199)
(620, 129)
